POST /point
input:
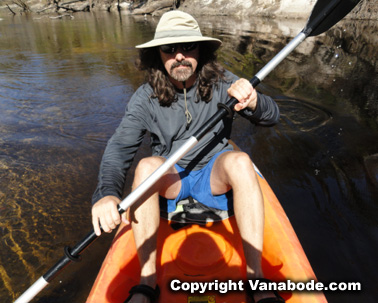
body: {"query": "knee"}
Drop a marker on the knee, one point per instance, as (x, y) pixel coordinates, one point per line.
(147, 166)
(240, 164)
(240, 161)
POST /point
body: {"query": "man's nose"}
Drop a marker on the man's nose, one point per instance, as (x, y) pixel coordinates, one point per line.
(179, 55)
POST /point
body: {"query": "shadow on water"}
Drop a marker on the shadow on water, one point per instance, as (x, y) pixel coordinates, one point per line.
(63, 88)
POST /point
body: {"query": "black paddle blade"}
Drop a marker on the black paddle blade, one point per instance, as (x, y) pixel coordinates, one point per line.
(327, 13)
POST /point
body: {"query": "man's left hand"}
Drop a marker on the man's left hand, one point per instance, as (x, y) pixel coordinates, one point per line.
(243, 91)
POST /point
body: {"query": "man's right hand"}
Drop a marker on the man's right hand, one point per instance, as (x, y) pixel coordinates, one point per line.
(105, 214)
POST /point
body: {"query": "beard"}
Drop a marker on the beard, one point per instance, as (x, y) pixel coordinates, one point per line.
(181, 74)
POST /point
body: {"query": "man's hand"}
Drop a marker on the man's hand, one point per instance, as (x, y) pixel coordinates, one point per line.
(243, 91)
(105, 213)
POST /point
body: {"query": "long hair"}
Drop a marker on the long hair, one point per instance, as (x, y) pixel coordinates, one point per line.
(209, 72)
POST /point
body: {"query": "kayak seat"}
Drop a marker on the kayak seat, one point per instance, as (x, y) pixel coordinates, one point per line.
(192, 211)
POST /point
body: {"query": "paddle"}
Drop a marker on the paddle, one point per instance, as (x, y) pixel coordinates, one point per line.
(325, 14)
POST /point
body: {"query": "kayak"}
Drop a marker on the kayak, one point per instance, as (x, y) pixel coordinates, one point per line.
(210, 253)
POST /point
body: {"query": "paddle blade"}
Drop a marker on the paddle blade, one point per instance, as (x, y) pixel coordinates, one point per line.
(327, 13)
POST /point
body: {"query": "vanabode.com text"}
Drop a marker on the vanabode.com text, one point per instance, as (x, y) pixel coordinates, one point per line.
(230, 285)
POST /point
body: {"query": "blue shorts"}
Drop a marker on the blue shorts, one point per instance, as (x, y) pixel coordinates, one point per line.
(196, 184)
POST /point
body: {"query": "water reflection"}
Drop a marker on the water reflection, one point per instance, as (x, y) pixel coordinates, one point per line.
(63, 88)
(338, 67)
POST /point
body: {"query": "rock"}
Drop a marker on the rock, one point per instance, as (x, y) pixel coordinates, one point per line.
(271, 8)
(153, 6)
(124, 6)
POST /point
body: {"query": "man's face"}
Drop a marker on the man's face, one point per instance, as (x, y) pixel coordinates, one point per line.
(180, 61)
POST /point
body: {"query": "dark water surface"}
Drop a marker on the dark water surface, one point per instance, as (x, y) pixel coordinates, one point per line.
(63, 88)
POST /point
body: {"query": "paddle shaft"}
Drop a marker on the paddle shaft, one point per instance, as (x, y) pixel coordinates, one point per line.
(224, 110)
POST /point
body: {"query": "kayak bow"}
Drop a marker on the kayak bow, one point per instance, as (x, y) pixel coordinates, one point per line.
(209, 253)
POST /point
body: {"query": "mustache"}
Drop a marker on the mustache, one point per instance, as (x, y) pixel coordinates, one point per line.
(182, 63)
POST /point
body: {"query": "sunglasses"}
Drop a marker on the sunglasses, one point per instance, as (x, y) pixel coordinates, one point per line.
(172, 48)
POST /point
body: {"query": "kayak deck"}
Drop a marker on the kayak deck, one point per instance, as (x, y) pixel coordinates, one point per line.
(211, 253)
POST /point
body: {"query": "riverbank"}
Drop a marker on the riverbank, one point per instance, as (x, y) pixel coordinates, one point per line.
(297, 9)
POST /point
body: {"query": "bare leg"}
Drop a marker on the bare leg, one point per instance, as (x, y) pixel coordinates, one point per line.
(235, 170)
(145, 218)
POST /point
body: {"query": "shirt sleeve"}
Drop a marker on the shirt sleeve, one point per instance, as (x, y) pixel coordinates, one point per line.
(267, 112)
(120, 151)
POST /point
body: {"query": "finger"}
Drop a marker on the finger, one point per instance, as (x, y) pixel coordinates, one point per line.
(96, 225)
(240, 106)
(244, 85)
(104, 224)
(237, 107)
(116, 217)
(241, 90)
(109, 222)
(238, 95)
(246, 91)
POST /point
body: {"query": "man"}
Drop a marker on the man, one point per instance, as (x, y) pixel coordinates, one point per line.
(183, 88)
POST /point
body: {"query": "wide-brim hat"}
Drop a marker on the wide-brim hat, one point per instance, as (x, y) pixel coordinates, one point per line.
(178, 27)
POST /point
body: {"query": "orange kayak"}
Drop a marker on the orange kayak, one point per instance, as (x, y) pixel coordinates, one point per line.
(207, 253)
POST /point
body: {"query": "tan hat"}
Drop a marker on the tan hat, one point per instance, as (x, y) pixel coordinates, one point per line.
(178, 27)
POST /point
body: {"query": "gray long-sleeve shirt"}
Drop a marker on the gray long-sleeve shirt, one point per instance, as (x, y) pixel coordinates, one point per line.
(168, 130)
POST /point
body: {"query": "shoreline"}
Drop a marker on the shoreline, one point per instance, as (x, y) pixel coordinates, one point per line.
(280, 9)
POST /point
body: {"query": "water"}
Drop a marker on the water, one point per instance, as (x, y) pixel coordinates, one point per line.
(64, 84)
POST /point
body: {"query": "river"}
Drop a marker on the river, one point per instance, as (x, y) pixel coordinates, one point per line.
(64, 84)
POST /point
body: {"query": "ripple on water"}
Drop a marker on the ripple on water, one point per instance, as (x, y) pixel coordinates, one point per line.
(28, 65)
(40, 95)
(41, 191)
(301, 115)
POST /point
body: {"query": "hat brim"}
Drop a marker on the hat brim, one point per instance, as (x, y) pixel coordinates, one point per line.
(184, 39)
